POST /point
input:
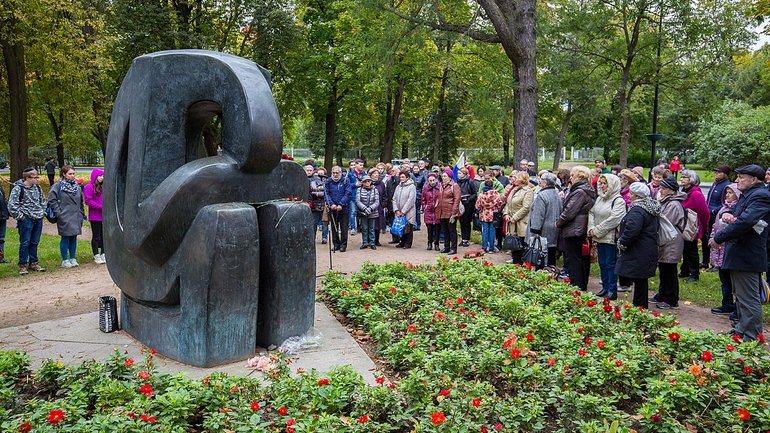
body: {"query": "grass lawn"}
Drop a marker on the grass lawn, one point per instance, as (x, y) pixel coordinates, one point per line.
(48, 253)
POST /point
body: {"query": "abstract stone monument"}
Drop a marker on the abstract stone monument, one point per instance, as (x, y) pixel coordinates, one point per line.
(211, 258)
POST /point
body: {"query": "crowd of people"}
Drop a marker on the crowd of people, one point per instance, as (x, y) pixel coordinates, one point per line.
(634, 227)
(64, 205)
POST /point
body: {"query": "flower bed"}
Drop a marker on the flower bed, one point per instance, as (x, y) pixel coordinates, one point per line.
(503, 346)
(474, 348)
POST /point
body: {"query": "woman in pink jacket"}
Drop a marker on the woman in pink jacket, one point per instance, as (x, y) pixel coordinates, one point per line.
(92, 194)
(428, 200)
(695, 200)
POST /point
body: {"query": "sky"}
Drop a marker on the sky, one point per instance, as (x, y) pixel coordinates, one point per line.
(764, 38)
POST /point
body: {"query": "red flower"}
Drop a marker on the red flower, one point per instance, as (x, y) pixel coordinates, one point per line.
(515, 354)
(363, 419)
(748, 370)
(656, 418)
(364, 286)
(444, 392)
(149, 419)
(392, 385)
(530, 337)
(380, 380)
(143, 375)
(289, 424)
(588, 340)
(282, 410)
(567, 280)
(55, 416)
(128, 362)
(254, 406)
(761, 338)
(706, 356)
(730, 347)
(582, 352)
(600, 344)
(673, 336)
(743, 414)
(617, 315)
(655, 314)
(412, 343)
(618, 363)
(411, 328)
(146, 389)
(366, 307)
(528, 266)
(590, 303)
(607, 308)
(476, 402)
(498, 426)
(551, 361)
(484, 428)
(437, 418)
(323, 382)
(25, 427)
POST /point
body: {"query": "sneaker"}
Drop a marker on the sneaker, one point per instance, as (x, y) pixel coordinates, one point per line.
(722, 311)
(372, 247)
(104, 258)
(601, 293)
(496, 250)
(363, 247)
(624, 289)
(667, 306)
(654, 298)
(324, 241)
(611, 296)
(66, 264)
(97, 258)
(35, 266)
(74, 263)
(23, 270)
(509, 261)
(353, 232)
(712, 269)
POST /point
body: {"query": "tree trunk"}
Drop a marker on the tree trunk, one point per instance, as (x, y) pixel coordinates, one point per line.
(506, 143)
(57, 127)
(13, 55)
(395, 101)
(331, 127)
(525, 74)
(624, 97)
(562, 134)
(438, 133)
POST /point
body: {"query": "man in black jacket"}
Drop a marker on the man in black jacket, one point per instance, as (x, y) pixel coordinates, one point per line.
(745, 237)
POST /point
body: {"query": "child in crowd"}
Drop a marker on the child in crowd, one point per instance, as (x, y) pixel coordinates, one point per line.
(488, 203)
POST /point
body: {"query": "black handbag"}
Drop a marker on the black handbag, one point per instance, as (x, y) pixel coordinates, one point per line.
(513, 243)
(535, 255)
(108, 314)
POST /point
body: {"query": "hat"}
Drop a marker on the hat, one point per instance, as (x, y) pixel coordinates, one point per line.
(751, 170)
(640, 189)
(723, 169)
(435, 169)
(531, 163)
(495, 167)
(365, 178)
(670, 183)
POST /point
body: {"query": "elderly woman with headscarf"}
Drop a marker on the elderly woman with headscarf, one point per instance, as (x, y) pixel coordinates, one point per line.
(573, 224)
(696, 201)
(546, 208)
(638, 242)
(603, 221)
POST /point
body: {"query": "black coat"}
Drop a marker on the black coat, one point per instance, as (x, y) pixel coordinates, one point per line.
(745, 250)
(4, 215)
(638, 243)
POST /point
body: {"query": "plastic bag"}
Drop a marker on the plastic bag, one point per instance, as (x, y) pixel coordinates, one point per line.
(295, 345)
(398, 226)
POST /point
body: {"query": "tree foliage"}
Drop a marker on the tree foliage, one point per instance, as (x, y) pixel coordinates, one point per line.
(737, 134)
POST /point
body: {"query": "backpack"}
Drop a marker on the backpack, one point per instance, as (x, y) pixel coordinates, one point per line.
(691, 226)
(666, 231)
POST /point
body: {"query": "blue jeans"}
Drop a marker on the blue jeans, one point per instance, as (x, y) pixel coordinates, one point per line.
(488, 235)
(728, 304)
(29, 238)
(324, 225)
(352, 220)
(68, 244)
(3, 227)
(608, 256)
(367, 230)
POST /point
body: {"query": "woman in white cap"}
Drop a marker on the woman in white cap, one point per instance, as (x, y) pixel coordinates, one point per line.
(638, 242)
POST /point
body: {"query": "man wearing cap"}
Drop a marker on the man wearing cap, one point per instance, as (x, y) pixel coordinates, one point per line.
(26, 204)
(714, 201)
(497, 173)
(745, 239)
(531, 169)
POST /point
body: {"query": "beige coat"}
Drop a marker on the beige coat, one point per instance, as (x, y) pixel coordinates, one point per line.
(517, 210)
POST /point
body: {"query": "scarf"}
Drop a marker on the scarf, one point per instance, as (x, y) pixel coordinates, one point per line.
(69, 186)
(649, 205)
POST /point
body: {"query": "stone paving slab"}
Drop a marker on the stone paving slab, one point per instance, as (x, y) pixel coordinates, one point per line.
(77, 338)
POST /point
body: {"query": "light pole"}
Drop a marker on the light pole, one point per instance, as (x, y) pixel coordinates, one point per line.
(655, 136)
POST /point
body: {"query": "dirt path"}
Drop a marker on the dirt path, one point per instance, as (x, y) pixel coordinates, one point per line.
(67, 292)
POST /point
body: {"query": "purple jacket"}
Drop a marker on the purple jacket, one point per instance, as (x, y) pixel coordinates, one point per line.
(697, 202)
(92, 198)
(428, 200)
(717, 256)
